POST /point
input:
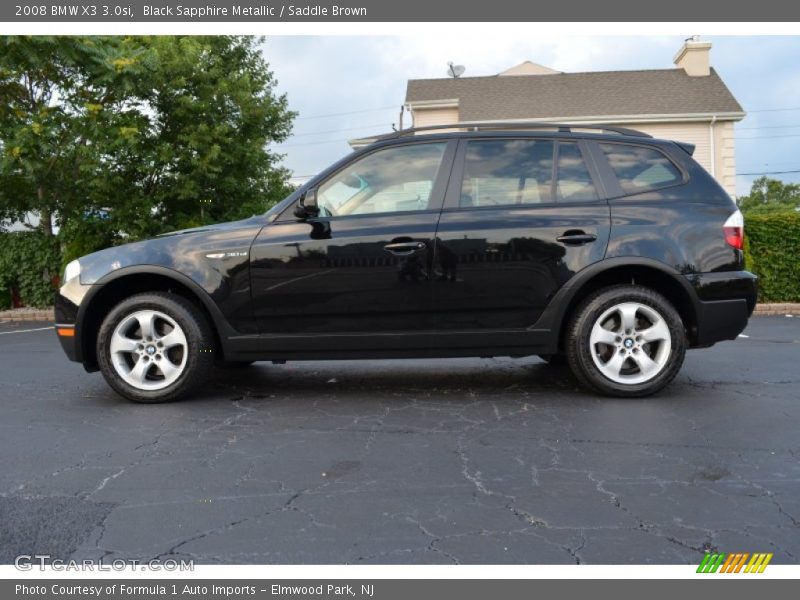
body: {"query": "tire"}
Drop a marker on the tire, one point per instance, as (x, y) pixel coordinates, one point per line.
(173, 360)
(555, 360)
(638, 363)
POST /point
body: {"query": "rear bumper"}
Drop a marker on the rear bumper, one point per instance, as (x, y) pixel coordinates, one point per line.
(725, 302)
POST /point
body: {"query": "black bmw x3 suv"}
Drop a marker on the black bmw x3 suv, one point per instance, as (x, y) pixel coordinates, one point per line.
(598, 246)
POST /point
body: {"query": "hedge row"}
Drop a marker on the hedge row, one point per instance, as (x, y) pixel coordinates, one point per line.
(772, 251)
(29, 263)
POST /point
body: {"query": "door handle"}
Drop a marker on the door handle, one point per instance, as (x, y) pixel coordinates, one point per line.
(404, 248)
(576, 237)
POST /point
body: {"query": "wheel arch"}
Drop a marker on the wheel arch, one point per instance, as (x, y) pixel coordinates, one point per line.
(641, 271)
(116, 286)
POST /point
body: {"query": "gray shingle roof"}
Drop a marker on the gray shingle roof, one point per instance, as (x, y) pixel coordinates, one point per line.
(601, 93)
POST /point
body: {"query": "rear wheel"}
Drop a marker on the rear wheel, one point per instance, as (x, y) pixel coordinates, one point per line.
(626, 341)
(155, 347)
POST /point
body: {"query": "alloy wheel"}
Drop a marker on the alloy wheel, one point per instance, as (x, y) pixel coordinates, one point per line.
(148, 350)
(630, 343)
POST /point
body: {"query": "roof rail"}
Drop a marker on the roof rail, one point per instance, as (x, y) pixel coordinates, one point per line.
(512, 125)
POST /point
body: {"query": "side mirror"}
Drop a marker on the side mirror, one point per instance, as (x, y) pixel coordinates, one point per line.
(307, 206)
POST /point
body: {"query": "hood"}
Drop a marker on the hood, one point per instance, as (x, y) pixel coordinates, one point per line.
(215, 227)
(172, 250)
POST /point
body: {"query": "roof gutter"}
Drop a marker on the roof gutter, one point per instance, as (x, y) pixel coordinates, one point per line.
(622, 119)
(444, 103)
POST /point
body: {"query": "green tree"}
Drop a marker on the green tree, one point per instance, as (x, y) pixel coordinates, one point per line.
(125, 137)
(202, 155)
(50, 93)
(770, 195)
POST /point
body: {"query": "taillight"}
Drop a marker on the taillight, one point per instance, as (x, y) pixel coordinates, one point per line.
(734, 230)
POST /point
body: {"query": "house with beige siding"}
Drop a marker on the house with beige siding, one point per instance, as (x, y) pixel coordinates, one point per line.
(688, 103)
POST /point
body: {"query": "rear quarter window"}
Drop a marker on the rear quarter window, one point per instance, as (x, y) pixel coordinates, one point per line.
(640, 168)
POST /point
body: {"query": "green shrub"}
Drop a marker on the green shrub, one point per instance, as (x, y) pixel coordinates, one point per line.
(5, 298)
(772, 251)
(30, 262)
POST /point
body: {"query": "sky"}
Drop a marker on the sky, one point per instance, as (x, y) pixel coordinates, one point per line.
(345, 87)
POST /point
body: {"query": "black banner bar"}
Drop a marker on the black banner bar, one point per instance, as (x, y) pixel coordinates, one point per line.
(132, 11)
(732, 587)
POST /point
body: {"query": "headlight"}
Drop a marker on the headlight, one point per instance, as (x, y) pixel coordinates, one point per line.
(72, 271)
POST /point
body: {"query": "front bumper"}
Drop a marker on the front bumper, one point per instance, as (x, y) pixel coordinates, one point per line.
(725, 301)
(66, 314)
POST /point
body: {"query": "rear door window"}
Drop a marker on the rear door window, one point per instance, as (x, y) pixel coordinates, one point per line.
(520, 172)
(640, 168)
(503, 172)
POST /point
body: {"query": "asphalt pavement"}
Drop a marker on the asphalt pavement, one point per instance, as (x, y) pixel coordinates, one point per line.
(409, 461)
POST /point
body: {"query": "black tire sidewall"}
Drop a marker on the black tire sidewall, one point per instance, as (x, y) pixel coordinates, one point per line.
(579, 352)
(199, 348)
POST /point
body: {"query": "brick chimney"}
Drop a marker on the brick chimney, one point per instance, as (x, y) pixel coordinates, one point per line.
(693, 57)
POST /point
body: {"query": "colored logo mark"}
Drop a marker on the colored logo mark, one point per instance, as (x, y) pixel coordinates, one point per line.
(735, 563)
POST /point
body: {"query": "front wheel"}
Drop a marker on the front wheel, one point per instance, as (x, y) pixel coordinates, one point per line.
(626, 341)
(155, 347)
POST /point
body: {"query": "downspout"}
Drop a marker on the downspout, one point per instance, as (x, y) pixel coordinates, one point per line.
(713, 148)
(412, 116)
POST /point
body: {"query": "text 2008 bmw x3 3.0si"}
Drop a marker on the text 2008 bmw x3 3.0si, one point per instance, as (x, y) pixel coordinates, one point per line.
(602, 247)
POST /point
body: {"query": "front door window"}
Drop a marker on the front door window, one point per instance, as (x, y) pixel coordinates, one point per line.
(396, 179)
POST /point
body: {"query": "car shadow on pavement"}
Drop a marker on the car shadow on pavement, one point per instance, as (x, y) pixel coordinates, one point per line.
(451, 379)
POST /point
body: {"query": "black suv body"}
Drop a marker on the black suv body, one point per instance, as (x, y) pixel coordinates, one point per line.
(601, 246)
